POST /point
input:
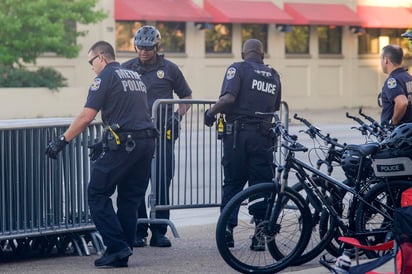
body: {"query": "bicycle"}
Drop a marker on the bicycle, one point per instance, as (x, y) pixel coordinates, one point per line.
(371, 197)
(331, 151)
(361, 182)
(274, 227)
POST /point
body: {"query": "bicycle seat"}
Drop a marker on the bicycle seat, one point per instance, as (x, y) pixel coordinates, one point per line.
(364, 149)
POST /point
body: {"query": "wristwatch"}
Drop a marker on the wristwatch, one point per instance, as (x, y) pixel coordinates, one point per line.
(63, 139)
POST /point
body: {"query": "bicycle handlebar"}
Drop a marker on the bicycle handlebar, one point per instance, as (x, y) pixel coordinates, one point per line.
(314, 131)
(280, 130)
(375, 129)
(364, 128)
(375, 123)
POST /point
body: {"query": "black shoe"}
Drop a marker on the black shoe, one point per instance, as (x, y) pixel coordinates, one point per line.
(160, 241)
(229, 238)
(140, 242)
(115, 259)
(120, 263)
(258, 243)
(258, 239)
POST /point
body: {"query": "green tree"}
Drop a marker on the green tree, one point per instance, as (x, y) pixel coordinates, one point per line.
(30, 28)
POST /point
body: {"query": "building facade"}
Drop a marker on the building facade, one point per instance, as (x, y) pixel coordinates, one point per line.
(327, 52)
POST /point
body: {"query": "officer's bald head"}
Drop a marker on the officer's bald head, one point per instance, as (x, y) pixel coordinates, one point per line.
(252, 48)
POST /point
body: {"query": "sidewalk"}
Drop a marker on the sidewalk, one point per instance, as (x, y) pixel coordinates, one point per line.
(194, 252)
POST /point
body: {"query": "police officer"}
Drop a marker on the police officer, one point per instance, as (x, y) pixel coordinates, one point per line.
(396, 109)
(122, 160)
(162, 78)
(248, 87)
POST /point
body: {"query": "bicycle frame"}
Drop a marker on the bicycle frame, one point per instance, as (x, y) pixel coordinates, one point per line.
(314, 193)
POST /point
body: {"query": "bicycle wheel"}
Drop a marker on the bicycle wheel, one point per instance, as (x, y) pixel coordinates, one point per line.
(373, 226)
(319, 239)
(282, 244)
(328, 227)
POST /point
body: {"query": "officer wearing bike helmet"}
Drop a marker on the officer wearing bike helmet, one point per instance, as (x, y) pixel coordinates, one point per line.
(396, 109)
(163, 79)
(123, 157)
(249, 86)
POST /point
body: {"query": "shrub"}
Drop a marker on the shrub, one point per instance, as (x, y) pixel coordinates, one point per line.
(20, 77)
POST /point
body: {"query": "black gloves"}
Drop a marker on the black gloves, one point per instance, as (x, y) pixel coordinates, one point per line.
(209, 119)
(173, 123)
(56, 146)
(95, 151)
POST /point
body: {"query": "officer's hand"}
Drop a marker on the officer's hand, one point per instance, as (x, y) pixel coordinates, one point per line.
(173, 126)
(209, 119)
(56, 146)
(95, 150)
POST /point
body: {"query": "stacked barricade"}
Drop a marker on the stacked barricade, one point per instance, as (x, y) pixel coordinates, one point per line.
(43, 202)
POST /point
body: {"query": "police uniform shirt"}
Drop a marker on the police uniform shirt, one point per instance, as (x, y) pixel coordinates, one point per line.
(120, 94)
(161, 79)
(399, 82)
(256, 87)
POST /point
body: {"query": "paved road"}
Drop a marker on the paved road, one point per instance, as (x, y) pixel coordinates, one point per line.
(195, 251)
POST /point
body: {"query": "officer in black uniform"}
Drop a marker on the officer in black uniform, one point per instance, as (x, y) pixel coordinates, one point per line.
(122, 159)
(248, 87)
(396, 109)
(162, 78)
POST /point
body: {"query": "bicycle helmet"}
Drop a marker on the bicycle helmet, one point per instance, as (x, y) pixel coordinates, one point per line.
(401, 137)
(350, 162)
(147, 36)
(408, 35)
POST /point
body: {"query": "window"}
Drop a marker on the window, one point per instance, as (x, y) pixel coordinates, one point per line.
(125, 32)
(373, 40)
(297, 41)
(257, 31)
(330, 39)
(173, 35)
(219, 39)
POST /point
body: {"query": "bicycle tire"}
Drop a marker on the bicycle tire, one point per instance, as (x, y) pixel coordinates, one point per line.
(328, 228)
(292, 233)
(320, 239)
(386, 196)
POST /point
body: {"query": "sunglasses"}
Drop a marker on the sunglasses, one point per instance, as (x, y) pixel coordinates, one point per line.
(91, 60)
(146, 48)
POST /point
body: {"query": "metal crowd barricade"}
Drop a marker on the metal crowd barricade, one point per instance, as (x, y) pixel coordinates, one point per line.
(43, 202)
(197, 171)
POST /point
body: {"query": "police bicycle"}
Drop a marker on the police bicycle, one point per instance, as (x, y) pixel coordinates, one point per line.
(373, 198)
(372, 207)
(328, 152)
(274, 225)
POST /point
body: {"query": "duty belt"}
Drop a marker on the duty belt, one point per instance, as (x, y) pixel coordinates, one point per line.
(138, 134)
(249, 126)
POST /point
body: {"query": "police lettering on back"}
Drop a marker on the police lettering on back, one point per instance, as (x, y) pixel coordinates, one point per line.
(134, 84)
(262, 85)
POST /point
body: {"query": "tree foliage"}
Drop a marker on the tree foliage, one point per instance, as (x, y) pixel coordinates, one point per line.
(30, 28)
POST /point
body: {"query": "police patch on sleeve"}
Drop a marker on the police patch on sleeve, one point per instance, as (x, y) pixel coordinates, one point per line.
(391, 83)
(231, 72)
(95, 85)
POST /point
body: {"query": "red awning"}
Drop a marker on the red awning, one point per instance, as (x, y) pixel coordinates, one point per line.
(322, 14)
(385, 17)
(159, 10)
(229, 11)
